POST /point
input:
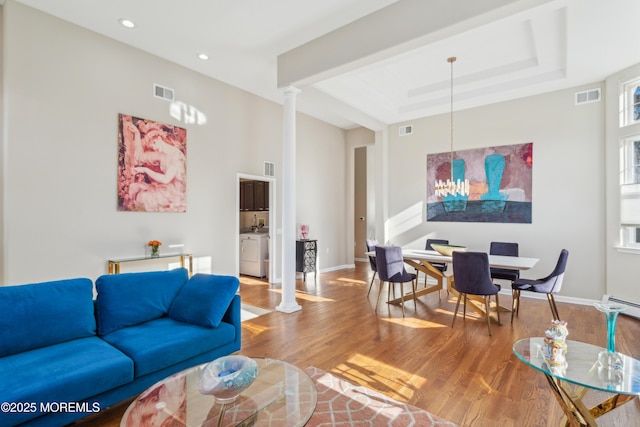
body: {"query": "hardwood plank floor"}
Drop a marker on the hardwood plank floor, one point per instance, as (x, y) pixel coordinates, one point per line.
(458, 373)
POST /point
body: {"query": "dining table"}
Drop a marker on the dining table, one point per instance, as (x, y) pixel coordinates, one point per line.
(421, 259)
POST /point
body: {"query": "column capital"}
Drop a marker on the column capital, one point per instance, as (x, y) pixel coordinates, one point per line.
(289, 90)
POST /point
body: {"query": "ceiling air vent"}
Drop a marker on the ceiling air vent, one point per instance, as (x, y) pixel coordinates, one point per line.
(269, 169)
(405, 130)
(162, 92)
(588, 96)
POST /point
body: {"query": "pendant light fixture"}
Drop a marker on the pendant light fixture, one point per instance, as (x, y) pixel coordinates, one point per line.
(455, 186)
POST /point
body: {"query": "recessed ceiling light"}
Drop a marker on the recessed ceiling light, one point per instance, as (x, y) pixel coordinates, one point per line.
(126, 23)
(203, 56)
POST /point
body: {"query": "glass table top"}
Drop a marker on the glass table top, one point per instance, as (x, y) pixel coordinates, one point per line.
(148, 257)
(281, 395)
(582, 366)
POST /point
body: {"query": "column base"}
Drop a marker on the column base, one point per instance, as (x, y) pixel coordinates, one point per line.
(289, 308)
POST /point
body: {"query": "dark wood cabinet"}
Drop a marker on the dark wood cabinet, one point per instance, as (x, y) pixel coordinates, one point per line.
(258, 195)
(306, 256)
(254, 196)
(247, 199)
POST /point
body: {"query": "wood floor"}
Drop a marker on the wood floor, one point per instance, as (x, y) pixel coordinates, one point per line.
(458, 373)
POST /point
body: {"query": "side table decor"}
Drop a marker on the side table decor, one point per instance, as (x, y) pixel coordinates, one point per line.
(155, 247)
(555, 345)
(610, 359)
(227, 377)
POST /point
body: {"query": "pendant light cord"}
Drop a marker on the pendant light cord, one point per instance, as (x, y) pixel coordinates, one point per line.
(451, 60)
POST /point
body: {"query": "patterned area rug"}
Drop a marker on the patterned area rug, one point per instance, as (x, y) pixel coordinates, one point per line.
(342, 404)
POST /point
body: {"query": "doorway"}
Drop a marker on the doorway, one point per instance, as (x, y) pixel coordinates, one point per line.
(360, 203)
(256, 216)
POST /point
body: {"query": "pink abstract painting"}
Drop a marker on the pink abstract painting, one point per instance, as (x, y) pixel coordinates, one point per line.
(152, 166)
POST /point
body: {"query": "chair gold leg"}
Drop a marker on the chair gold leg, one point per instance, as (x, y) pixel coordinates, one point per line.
(464, 308)
(554, 308)
(456, 312)
(379, 292)
(402, 297)
(515, 304)
(497, 309)
(487, 312)
(414, 285)
(371, 284)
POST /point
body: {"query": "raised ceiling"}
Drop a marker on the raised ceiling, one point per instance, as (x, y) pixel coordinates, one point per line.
(505, 49)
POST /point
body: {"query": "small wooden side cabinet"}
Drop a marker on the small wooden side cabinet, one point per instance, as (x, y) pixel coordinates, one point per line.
(306, 256)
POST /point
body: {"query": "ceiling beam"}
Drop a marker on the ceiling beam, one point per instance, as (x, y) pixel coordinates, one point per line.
(395, 29)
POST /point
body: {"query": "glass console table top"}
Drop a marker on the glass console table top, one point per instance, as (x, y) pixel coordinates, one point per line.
(582, 368)
(281, 395)
(148, 257)
(186, 260)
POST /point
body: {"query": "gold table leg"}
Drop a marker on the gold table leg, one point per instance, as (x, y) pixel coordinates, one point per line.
(182, 263)
(570, 397)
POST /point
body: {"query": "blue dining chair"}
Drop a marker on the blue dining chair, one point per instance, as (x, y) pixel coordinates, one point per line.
(549, 285)
(473, 277)
(439, 266)
(391, 269)
(504, 249)
(371, 247)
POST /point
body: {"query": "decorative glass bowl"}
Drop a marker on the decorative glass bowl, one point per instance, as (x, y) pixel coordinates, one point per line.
(447, 250)
(227, 377)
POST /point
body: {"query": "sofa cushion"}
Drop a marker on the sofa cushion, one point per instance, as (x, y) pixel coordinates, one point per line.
(204, 299)
(68, 372)
(132, 298)
(41, 314)
(159, 343)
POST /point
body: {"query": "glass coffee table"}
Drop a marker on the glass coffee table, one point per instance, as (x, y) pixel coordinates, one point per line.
(281, 395)
(582, 372)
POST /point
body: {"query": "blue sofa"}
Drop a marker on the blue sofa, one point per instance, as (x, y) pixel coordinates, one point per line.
(64, 355)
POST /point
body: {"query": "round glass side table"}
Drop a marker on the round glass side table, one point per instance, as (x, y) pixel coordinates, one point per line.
(581, 372)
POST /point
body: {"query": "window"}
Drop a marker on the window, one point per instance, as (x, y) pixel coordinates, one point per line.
(630, 101)
(630, 163)
(630, 191)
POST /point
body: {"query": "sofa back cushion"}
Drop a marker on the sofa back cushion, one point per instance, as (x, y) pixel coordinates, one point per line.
(42, 314)
(132, 298)
(204, 299)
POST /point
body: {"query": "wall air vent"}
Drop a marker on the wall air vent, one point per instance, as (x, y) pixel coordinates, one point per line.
(269, 169)
(162, 92)
(588, 96)
(405, 130)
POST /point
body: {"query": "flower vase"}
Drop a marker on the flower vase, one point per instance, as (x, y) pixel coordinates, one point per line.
(610, 359)
(155, 251)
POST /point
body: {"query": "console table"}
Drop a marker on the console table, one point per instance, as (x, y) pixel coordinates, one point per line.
(582, 372)
(186, 260)
(306, 255)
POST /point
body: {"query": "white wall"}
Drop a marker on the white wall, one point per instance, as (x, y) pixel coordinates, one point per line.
(63, 89)
(568, 183)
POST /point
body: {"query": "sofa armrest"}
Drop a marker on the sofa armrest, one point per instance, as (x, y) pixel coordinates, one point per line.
(233, 315)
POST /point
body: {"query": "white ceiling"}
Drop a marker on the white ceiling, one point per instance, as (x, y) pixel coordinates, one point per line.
(533, 46)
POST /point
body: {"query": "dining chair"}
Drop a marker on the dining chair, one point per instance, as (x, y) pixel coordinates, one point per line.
(473, 277)
(439, 267)
(371, 247)
(505, 249)
(390, 264)
(549, 285)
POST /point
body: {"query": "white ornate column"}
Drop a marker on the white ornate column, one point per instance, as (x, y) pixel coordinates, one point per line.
(289, 303)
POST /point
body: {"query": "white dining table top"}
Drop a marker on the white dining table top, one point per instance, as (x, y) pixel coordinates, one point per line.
(497, 261)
